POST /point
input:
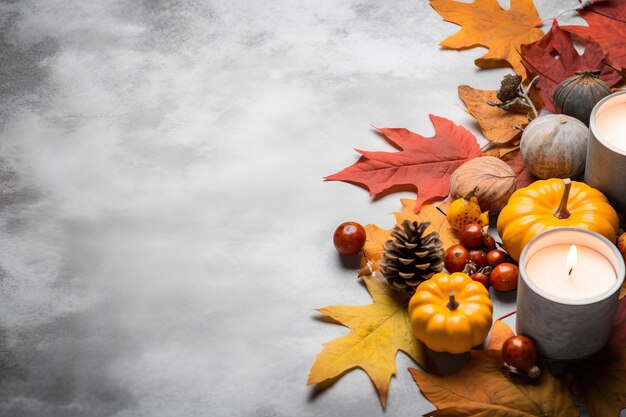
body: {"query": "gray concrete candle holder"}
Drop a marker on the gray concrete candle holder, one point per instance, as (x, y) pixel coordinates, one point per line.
(605, 167)
(567, 329)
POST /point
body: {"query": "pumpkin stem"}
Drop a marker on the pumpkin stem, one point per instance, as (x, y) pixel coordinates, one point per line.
(471, 194)
(453, 304)
(561, 212)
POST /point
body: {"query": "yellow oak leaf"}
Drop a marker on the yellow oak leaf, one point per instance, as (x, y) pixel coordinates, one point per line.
(499, 333)
(484, 388)
(497, 125)
(602, 381)
(486, 23)
(373, 249)
(377, 332)
(429, 213)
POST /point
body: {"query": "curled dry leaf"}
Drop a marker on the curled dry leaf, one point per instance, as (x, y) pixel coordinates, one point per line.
(497, 125)
(486, 23)
(377, 332)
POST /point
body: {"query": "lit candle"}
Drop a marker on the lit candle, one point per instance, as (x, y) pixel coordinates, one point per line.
(571, 272)
(611, 124)
(568, 288)
(605, 168)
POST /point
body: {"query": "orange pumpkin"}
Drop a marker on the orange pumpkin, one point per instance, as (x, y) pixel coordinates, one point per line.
(553, 203)
(450, 313)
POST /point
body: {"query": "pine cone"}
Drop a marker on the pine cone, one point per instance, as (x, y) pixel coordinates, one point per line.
(411, 257)
(509, 88)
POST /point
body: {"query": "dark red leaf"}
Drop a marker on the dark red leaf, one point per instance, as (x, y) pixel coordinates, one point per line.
(554, 58)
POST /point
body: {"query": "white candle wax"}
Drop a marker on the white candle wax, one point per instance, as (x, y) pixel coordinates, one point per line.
(591, 275)
(611, 124)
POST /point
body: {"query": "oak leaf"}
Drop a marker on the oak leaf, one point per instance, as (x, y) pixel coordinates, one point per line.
(486, 23)
(497, 125)
(484, 388)
(425, 163)
(607, 25)
(375, 238)
(554, 58)
(377, 332)
(435, 215)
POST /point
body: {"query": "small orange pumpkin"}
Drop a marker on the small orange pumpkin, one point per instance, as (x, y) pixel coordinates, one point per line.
(451, 313)
(553, 203)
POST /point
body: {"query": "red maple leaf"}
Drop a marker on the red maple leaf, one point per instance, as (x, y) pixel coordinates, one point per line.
(554, 58)
(425, 163)
(607, 27)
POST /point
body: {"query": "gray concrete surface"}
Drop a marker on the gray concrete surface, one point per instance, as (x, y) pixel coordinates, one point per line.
(165, 233)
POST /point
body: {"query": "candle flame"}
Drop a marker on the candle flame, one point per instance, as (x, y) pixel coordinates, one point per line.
(572, 258)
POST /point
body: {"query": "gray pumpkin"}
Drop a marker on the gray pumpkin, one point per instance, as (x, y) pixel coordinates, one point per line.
(577, 95)
(555, 146)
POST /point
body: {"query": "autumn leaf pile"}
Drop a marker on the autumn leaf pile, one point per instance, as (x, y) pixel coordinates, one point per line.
(514, 38)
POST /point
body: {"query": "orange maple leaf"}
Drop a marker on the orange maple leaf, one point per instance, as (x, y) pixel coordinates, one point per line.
(486, 23)
(377, 332)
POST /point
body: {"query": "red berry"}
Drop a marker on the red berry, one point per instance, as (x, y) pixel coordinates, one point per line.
(471, 236)
(521, 353)
(349, 238)
(489, 243)
(481, 277)
(479, 257)
(495, 257)
(455, 258)
(504, 277)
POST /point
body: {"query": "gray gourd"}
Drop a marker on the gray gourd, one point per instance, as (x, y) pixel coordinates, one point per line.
(555, 146)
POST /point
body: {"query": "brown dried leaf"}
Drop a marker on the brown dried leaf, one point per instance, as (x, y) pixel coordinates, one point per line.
(496, 124)
(484, 388)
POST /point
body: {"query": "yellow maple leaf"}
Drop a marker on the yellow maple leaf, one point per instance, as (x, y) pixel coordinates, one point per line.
(483, 388)
(429, 213)
(377, 332)
(496, 124)
(486, 23)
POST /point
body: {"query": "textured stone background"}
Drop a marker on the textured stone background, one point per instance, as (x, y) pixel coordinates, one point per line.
(164, 229)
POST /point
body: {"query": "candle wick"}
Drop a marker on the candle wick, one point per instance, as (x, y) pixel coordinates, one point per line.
(570, 272)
